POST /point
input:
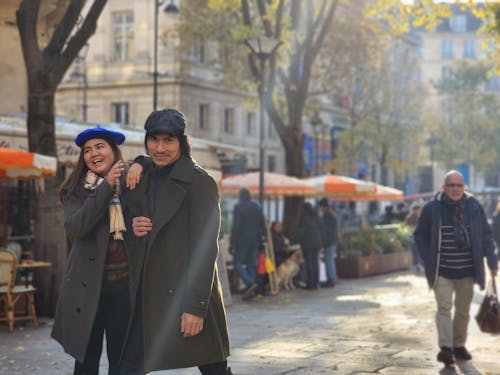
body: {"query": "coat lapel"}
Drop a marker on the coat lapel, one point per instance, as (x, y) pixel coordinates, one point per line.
(169, 197)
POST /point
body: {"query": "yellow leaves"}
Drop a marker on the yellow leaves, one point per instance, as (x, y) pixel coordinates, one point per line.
(399, 16)
(224, 5)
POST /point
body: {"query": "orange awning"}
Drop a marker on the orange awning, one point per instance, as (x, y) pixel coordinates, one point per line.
(275, 185)
(384, 193)
(15, 164)
(338, 187)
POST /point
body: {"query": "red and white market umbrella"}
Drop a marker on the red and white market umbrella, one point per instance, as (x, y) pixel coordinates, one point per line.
(22, 165)
(384, 193)
(275, 185)
(338, 187)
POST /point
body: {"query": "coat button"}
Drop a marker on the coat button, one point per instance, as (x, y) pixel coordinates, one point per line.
(171, 292)
(203, 303)
(92, 259)
(78, 310)
(84, 284)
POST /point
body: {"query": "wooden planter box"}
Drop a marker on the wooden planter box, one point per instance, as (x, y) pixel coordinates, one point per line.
(373, 264)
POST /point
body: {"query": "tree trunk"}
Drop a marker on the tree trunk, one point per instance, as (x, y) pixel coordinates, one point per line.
(50, 236)
(294, 167)
(50, 245)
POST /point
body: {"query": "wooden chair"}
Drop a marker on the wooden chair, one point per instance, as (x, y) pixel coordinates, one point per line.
(10, 293)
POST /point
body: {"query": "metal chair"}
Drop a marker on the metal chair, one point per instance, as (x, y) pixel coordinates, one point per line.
(10, 294)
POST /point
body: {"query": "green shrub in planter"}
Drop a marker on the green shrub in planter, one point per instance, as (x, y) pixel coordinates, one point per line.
(360, 242)
(378, 240)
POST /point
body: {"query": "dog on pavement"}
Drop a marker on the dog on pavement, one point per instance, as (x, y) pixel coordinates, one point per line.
(287, 270)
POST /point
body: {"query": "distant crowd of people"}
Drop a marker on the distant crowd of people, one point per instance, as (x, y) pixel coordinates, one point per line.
(317, 234)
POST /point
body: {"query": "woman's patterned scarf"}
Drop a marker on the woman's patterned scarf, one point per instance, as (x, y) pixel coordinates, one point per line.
(116, 221)
(458, 214)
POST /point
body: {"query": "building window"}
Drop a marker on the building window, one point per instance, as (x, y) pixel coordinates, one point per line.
(447, 49)
(420, 53)
(198, 50)
(446, 72)
(229, 120)
(203, 116)
(458, 23)
(251, 130)
(121, 113)
(469, 50)
(271, 163)
(123, 35)
(493, 84)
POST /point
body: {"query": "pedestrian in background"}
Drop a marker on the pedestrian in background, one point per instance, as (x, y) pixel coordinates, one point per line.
(331, 240)
(310, 238)
(411, 220)
(247, 235)
(281, 243)
(94, 298)
(179, 318)
(453, 238)
(495, 227)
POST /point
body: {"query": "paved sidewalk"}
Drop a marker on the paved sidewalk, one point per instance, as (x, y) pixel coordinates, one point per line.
(377, 325)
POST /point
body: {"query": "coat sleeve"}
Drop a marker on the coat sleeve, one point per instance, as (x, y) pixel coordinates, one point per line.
(82, 217)
(204, 217)
(495, 228)
(488, 244)
(422, 234)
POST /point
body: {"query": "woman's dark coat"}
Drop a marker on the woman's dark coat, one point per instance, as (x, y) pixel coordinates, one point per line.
(175, 265)
(310, 232)
(87, 224)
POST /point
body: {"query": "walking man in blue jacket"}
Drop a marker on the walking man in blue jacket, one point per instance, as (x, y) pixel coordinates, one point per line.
(453, 238)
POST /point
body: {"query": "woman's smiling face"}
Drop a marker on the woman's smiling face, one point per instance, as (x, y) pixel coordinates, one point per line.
(98, 156)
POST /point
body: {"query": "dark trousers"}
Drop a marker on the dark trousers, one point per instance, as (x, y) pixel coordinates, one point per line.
(311, 257)
(113, 314)
(133, 355)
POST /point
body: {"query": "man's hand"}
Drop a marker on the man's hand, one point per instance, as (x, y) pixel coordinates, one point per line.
(191, 324)
(133, 175)
(141, 225)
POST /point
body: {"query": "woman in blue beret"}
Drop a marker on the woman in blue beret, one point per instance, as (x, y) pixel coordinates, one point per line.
(94, 297)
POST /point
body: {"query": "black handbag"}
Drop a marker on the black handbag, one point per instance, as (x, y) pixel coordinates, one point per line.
(488, 316)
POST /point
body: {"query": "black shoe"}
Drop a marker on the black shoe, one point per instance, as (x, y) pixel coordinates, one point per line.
(446, 356)
(462, 353)
(328, 284)
(250, 292)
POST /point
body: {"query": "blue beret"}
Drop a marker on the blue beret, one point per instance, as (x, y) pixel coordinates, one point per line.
(99, 132)
(168, 121)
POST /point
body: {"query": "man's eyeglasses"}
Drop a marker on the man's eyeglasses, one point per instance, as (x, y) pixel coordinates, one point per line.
(454, 185)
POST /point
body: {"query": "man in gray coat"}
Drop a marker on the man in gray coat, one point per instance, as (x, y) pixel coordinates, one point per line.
(179, 318)
(453, 238)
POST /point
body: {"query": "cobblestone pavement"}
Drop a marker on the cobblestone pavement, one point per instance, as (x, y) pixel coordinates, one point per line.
(376, 325)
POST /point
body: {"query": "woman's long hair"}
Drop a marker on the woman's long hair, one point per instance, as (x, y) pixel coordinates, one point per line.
(73, 185)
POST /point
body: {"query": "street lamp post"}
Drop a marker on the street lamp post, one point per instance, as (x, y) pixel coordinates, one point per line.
(81, 72)
(316, 123)
(262, 47)
(431, 142)
(172, 9)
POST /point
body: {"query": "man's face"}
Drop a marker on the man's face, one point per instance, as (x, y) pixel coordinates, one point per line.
(454, 187)
(164, 149)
